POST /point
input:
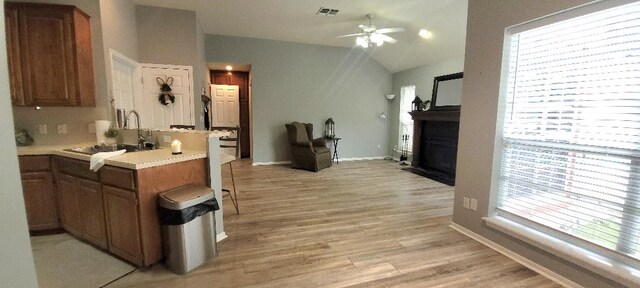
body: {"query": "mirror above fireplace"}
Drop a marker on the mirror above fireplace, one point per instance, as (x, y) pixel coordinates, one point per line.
(447, 92)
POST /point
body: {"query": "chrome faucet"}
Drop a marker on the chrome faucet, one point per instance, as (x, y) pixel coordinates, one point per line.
(126, 126)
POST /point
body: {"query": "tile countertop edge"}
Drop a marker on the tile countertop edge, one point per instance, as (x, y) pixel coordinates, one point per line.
(132, 160)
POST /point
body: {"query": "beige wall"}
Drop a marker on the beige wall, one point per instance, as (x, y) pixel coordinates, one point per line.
(120, 34)
(485, 28)
(16, 260)
(200, 75)
(172, 36)
(119, 28)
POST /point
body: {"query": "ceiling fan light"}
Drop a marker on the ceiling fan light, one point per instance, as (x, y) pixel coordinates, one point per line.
(377, 38)
(362, 42)
(424, 33)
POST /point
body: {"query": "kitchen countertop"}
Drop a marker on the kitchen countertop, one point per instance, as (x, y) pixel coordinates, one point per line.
(132, 160)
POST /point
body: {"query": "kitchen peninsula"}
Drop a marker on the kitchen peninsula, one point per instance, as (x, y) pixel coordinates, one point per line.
(115, 208)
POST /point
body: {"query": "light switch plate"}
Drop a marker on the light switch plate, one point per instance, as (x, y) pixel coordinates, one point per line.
(92, 128)
(474, 204)
(465, 202)
(42, 129)
(167, 139)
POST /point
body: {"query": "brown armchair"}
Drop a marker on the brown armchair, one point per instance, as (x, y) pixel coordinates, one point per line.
(307, 153)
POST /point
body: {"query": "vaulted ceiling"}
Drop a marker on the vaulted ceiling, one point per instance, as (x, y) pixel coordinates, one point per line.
(296, 21)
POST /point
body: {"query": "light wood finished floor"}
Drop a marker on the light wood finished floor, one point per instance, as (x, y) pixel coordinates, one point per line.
(362, 223)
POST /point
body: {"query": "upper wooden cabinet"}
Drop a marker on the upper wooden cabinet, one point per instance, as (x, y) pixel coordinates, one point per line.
(50, 55)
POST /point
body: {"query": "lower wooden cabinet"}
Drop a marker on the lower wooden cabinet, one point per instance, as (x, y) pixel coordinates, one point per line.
(92, 212)
(115, 209)
(69, 204)
(81, 207)
(121, 207)
(40, 200)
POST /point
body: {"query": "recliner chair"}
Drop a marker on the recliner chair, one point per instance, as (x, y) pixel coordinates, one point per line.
(307, 153)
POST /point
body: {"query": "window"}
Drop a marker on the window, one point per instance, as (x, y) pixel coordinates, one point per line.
(407, 94)
(570, 155)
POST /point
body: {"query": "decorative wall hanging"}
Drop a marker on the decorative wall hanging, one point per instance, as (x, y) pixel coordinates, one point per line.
(165, 97)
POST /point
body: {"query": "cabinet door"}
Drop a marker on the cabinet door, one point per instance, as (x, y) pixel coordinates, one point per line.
(68, 204)
(92, 212)
(121, 207)
(46, 42)
(13, 56)
(40, 200)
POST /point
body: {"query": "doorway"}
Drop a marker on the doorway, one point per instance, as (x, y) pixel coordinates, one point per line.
(180, 110)
(136, 86)
(240, 79)
(124, 72)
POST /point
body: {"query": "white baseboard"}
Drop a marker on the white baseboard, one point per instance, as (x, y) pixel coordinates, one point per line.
(341, 159)
(221, 236)
(553, 276)
(271, 163)
(362, 158)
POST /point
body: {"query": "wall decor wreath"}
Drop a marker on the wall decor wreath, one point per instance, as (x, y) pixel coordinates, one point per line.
(165, 97)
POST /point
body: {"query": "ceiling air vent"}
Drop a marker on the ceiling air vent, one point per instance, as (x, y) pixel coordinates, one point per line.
(327, 11)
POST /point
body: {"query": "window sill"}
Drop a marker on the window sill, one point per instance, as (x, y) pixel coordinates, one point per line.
(610, 268)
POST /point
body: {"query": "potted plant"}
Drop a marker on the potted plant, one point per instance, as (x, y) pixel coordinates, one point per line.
(111, 134)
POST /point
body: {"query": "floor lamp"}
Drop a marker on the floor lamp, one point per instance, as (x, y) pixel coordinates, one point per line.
(389, 98)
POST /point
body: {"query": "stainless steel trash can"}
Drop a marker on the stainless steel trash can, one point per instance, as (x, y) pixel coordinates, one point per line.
(188, 227)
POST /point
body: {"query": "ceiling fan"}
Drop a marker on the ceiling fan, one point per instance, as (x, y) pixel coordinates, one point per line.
(370, 35)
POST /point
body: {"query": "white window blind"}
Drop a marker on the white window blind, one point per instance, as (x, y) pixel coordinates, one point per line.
(571, 131)
(407, 94)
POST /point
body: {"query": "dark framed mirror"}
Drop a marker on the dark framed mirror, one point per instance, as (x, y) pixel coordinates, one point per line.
(447, 92)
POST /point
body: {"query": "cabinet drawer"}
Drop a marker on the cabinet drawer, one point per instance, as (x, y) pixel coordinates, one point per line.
(118, 177)
(75, 167)
(34, 163)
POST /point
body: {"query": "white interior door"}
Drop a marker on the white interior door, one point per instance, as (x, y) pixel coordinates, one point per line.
(124, 72)
(156, 115)
(226, 107)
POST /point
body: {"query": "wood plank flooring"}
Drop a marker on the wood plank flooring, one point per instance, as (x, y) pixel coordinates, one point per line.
(361, 224)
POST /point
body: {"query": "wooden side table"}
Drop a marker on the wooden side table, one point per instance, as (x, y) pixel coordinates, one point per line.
(334, 156)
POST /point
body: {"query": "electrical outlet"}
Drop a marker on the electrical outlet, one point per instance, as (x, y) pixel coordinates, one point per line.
(167, 139)
(42, 129)
(379, 146)
(465, 202)
(62, 128)
(92, 128)
(474, 204)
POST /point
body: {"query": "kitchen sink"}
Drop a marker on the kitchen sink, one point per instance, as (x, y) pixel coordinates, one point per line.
(90, 150)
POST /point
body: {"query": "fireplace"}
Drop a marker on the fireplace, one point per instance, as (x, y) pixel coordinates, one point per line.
(435, 144)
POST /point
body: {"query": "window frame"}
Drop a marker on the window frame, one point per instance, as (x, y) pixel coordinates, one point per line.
(400, 123)
(610, 264)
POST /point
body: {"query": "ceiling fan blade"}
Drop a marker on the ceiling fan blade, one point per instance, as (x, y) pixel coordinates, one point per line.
(390, 30)
(349, 35)
(388, 39)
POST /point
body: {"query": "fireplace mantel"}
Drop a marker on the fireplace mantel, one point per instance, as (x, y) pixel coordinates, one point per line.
(435, 143)
(435, 116)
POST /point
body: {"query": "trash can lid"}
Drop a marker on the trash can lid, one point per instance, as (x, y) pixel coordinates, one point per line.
(185, 196)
